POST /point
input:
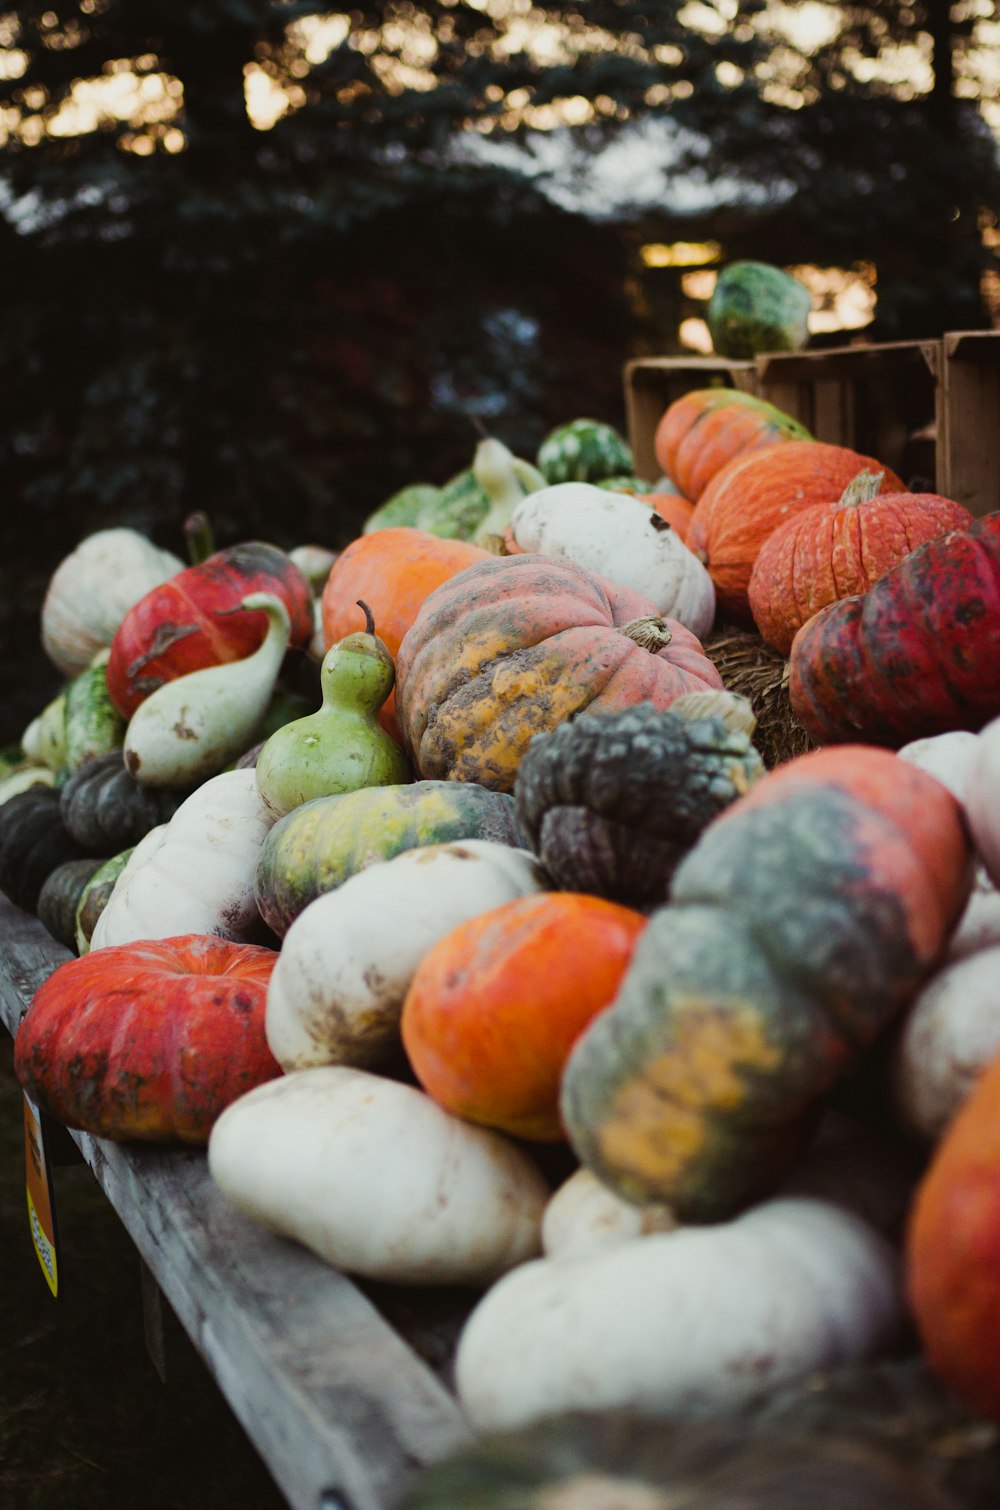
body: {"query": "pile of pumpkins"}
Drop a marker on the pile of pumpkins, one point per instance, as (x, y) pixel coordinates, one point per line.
(436, 885)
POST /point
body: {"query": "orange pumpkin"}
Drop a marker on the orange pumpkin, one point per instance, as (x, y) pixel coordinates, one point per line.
(496, 1005)
(393, 571)
(839, 548)
(519, 644)
(953, 1251)
(756, 492)
(704, 429)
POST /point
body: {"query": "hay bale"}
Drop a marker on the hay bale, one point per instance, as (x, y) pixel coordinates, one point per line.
(760, 674)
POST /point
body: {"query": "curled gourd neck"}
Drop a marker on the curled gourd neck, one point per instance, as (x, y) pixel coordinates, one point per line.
(649, 632)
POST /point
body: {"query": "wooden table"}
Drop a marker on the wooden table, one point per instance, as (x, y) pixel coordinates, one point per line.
(344, 1405)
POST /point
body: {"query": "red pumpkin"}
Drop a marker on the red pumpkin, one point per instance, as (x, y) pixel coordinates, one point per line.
(703, 430)
(195, 619)
(915, 655)
(394, 571)
(518, 644)
(953, 1251)
(839, 548)
(754, 493)
(496, 1005)
(148, 1040)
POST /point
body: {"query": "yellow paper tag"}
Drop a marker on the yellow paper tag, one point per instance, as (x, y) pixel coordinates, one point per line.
(41, 1202)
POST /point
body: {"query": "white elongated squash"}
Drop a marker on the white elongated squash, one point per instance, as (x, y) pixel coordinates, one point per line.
(375, 1178)
(682, 1324)
(584, 1215)
(191, 727)
(195, 873)
(618, 537)
(336, 993)
(93, 588)
(982, 798)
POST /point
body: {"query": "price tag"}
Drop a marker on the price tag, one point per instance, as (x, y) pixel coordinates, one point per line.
(41, 1197)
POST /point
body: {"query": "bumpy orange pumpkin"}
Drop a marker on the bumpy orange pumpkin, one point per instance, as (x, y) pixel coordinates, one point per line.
(393, 571)
(496, 1005)
(953, 1251)
(703, 430)
(149, 1040)
(835, 549)
(756, 492)
(518, 644)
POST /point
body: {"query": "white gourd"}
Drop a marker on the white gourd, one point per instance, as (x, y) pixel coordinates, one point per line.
(583, 1215)
(93, 588)
(191, 727)
(952, 757)
(336, 993)
(982, 798)
(618, 537)
(195, 873)
(950, 1034)
(682, 1324)
(376, 1179)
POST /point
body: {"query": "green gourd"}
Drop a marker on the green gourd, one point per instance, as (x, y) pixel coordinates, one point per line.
(341, 747)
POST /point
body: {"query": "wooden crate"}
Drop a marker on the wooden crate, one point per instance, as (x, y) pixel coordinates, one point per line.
(969, 419)
(927, 409)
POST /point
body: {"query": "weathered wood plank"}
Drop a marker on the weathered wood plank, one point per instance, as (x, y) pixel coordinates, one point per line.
(339, 1405)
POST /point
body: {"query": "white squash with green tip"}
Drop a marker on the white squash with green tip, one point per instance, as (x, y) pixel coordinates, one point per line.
(193, 726)
(618, 537)
(376, 1179)
(195, 873)
(336, 993)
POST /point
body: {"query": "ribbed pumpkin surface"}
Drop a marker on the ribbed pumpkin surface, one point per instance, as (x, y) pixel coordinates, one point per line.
(702, 431)
(149, 1040)
(803, 920)
(747, 500)
(915, 655)
(519, 644)
(833, 550)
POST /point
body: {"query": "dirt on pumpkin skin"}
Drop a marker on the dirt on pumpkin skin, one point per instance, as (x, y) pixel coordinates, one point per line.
(86, 1423)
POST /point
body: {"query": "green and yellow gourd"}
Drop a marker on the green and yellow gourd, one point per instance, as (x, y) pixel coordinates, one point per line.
(457, 510)
(318, 845)
(804, 919)
(584, 450)
(341, 746)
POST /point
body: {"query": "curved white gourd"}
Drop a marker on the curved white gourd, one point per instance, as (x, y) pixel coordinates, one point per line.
(194, 874)
(93, 588)
(377, 1179)
(618, 537)
(336, 993)
(982, 798)
(583, 1215)
(685, 1323)
(191, 727)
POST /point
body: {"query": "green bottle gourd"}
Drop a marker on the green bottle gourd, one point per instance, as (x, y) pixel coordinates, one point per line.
(341, 747)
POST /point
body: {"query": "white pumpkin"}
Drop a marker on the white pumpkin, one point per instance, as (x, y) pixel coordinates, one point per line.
(618, 537)
(950, 1034)
(194, 725)
(682, 1324)
(982, 798)
(195, 873)
(375, 1178)
(93, 588)
(336, 993)
(948, 756)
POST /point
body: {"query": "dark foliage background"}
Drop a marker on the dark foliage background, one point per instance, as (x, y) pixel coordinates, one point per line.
(284, 326)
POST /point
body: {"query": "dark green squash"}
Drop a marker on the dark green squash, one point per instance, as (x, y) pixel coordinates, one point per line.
(60, 896)
(33, 841)
(802, 922)
(610, 802)
(107, 810)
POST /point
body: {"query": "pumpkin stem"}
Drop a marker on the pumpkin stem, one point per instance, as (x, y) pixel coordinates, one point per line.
(649, 633)
(198, 535)
(861, 489)
(369, 616)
